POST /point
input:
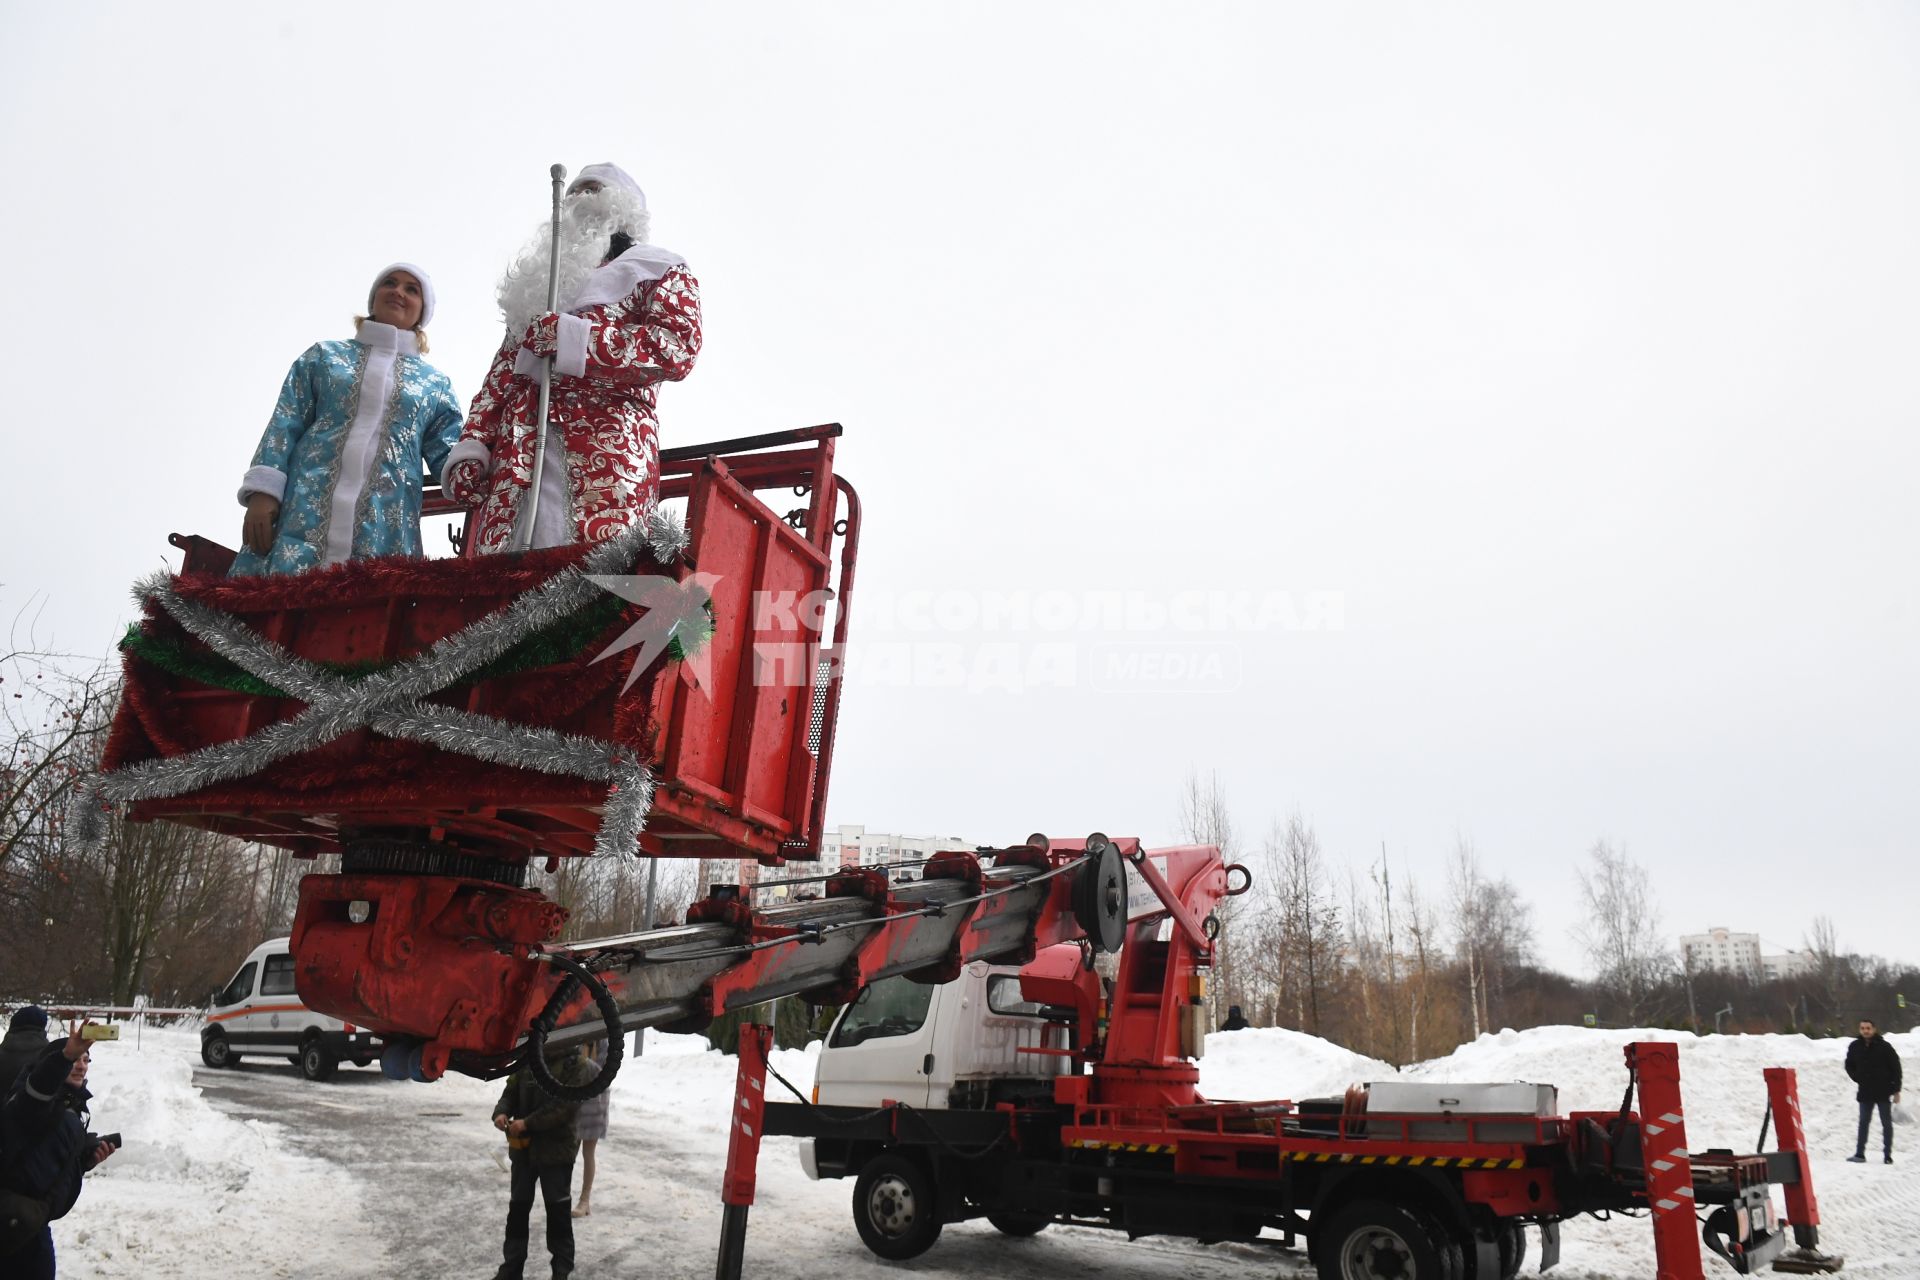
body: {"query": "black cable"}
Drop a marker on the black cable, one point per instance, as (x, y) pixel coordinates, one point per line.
(535, 1057)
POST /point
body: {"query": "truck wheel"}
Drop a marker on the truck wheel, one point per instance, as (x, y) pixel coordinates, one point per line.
(1513, 1250)
(216, 1052)
(316, 1060)
(1374, 1240)
(1018, 1224)
(894, 1209)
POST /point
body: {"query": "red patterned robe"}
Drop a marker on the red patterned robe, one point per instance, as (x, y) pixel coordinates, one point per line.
(612, 355)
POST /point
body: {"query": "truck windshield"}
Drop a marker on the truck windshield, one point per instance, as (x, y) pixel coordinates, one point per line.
(890, 1007)
(240, 988)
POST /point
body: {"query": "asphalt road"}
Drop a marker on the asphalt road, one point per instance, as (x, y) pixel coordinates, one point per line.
(437, 1199)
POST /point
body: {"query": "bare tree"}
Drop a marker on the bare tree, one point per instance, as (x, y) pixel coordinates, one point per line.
(53, 716)
(1492, 930)
(1621, 931)
(1309, 922)
(1832, 967)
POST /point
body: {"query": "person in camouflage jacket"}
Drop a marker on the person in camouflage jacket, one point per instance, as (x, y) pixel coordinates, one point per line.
(541, 1144)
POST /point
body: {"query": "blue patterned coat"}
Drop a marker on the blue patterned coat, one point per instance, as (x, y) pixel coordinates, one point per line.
(356, 424)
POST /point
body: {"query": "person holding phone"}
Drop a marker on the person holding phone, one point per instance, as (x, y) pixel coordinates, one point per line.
(43, 1132)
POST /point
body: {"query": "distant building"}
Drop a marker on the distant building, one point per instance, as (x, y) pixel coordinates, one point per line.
(852, 845)
(1723, 951)
(1788, 964)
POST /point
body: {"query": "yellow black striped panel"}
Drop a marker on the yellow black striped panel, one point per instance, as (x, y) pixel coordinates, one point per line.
(1141, 1148)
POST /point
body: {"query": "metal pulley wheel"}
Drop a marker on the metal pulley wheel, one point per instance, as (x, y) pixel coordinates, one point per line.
(1100, 895)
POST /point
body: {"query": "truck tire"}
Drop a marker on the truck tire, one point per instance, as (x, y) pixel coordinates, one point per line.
(317, 1062)
(1513, 1250)
(1375, 1240)
(1019, 1224)
(894, 1207)
(216, 1052)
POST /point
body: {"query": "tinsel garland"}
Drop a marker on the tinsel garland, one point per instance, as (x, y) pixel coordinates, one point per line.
(556, 644)
(388, 700)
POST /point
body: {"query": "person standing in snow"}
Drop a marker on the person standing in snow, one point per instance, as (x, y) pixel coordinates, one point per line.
(43, 1132)
(541, 1144)
(1236, 1021)
(629, 320)
(591, 1124)
(26, 1040)
(338, 473)
(1874, 1066)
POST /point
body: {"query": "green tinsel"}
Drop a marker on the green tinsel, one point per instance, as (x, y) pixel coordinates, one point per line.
(545, 648)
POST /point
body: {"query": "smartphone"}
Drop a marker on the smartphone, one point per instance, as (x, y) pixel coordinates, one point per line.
(111, 1139)
(100, 1031)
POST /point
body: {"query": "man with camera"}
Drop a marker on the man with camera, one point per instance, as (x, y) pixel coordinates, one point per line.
(44, 1150)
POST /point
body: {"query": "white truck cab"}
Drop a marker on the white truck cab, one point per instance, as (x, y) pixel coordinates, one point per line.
(259, 1012)
(960, 1044)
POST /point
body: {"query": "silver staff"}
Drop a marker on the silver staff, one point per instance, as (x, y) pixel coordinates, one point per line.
(525, 537)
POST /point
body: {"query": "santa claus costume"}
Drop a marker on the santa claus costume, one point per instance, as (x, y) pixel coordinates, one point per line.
(344, 450)
(629, 320)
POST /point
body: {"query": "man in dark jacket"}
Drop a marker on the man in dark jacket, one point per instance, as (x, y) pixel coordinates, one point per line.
(1236, 1021)
(541, 1144)
(1873, 1065)
(43, 1132)
(25, 1041)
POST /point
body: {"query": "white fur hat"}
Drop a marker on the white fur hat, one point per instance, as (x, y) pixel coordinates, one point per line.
(610, 175)
(426, 289)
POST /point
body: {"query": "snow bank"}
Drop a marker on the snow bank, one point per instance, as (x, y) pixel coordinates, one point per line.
(192, 1185)
(1260, 1063)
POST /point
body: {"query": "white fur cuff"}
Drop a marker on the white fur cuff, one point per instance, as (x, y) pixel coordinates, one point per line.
(268, 480)
(527, 365)
(464, 451)
(571, 358)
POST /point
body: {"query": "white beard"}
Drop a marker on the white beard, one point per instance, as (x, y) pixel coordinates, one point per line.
(587, 223)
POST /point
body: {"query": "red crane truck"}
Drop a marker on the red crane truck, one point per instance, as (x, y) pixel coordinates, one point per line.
(442, 725)
(1090, 1115)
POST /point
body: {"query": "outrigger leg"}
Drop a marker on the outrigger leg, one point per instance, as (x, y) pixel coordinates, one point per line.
(743, 1147)
(1803, 1210)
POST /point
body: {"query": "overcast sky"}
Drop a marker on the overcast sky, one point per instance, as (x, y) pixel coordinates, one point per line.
(1549, 368)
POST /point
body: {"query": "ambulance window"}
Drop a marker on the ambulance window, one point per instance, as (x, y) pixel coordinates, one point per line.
(890, 1007)
(1003, 996)
(240, 988)
(278, 978)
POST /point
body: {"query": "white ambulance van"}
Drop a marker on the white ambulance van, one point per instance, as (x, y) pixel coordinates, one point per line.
(259, 1013)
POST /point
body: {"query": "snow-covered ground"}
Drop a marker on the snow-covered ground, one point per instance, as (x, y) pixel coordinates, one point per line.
(256, 1172)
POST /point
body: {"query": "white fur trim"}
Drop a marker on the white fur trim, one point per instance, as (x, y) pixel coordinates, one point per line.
(571, 356)
(268, 480)
(554, 528)
(609, 175)
(360, 451)
(384, 337)
(616, 281)
(527, 365)
(466, 450)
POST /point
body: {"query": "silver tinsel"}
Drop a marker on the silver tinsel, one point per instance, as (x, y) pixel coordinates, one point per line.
(666, 534)
(388, 701)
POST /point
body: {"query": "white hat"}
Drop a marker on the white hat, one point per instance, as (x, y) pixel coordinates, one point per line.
(426, 289)
(609, 175)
